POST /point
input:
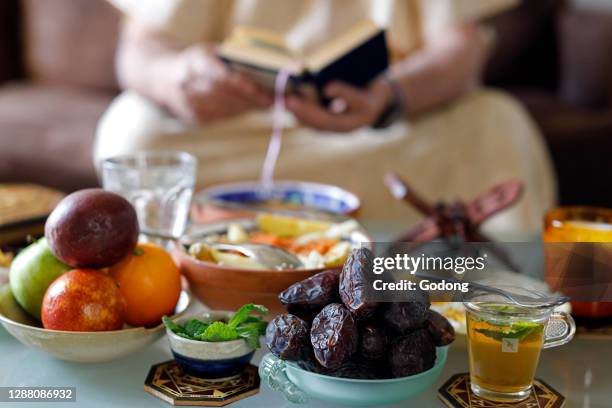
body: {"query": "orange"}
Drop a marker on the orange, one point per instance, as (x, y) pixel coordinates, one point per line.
(150, 282)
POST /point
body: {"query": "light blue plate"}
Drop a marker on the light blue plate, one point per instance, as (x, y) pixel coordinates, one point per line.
(299, 386)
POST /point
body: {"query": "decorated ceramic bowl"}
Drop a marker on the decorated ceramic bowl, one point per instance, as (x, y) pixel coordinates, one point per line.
(209, 359)
(234, 200)
(227, 288)
(300, 386)
(86, 347)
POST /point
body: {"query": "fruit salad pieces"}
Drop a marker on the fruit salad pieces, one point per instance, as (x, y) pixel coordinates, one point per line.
(316, 243)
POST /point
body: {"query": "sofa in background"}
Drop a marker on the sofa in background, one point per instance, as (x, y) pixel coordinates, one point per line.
(56, 79)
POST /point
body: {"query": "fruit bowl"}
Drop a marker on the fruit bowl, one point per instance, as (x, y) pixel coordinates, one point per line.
(227, 288)
(300, 386)
(85, 347)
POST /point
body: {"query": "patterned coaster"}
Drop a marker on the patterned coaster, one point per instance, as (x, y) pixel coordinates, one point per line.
(456, 393)
(168, 382)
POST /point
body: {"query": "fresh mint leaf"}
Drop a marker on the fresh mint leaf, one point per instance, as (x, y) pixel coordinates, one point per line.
(250, 334)
(259, 327)
(219, 331)
(243, 314)
(193, 327)
(186, 336)
(251, 319)
(242, 325)
(519, 330)
(175, 328)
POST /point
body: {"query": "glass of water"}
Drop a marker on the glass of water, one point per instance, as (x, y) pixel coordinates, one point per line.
(158, 184)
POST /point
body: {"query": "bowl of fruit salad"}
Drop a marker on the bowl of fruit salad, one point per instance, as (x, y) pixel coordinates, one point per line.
(225, 280)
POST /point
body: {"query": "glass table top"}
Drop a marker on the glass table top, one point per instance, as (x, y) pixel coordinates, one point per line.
(581, 371)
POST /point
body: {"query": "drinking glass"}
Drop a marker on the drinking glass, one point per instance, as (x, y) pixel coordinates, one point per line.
(578, 255)
(158, 184)
(505, 341)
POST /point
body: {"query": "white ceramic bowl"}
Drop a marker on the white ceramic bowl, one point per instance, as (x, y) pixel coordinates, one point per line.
(210, 359)
(85, 347)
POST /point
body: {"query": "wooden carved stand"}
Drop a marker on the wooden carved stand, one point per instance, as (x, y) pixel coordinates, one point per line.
(457, 222)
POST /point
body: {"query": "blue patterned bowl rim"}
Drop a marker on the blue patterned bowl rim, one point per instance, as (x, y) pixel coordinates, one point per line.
(318, 195)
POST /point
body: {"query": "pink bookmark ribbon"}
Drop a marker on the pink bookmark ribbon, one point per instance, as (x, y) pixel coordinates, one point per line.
(274, 146)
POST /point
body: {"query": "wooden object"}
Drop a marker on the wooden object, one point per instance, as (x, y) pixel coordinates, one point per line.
(168, 382)
(456, 393)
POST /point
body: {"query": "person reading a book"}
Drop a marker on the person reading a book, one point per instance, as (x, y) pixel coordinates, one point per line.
(199, 76)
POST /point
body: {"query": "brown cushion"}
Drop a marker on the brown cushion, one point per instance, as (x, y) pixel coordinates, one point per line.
(70, 42)
(47, 133)
(525, 52)
(586, 58)
(580, 144)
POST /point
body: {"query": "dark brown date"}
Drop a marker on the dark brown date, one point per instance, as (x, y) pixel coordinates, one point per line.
(287, 337)
(354, 283)
(306, 298)
(334, 336)
(361, 370)
(412, 354)
(310, 363)
(440, 329)
(374, 341)
(405, 317)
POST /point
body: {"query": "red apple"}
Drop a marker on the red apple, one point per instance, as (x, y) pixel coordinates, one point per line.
(83, 300)
(92, 228)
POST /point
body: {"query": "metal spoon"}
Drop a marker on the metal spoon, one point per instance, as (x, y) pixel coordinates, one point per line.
(269, 256)
(524, 300)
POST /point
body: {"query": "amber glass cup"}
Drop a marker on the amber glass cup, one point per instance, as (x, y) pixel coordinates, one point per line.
(591, 229)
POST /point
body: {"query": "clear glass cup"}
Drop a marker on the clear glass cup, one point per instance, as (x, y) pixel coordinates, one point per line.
(505, 341)
(159, 185)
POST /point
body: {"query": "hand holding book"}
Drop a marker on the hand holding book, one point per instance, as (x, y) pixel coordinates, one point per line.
(356, 57)
(362, 107)
(205, 89)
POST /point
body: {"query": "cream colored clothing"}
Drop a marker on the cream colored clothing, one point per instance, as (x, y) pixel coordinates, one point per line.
(455, 152)
(306, 24)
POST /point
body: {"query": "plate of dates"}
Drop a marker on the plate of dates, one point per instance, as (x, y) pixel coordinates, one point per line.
(336, 345)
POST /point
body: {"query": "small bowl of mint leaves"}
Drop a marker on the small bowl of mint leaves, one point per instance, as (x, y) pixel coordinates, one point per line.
(216, 344)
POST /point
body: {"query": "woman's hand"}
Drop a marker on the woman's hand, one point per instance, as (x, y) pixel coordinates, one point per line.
(351, 107)
(203, 89)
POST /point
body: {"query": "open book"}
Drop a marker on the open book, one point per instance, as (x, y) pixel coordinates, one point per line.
(356, 56)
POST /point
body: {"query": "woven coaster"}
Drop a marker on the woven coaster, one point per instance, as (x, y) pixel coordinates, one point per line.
(456, 393)
(168, 382)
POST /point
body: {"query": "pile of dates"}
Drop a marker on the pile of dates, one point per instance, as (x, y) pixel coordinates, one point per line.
(333, 329)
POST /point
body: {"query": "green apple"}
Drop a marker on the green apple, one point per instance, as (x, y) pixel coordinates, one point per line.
(31, 273)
